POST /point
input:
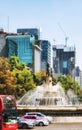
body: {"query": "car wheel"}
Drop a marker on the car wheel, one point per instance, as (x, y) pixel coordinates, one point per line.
(24, 126)
(41, 124)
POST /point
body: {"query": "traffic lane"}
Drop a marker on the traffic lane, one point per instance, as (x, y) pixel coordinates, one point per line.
(60, 126)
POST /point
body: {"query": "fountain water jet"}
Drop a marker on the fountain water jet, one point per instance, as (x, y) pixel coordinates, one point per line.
(49, 96)
(46, 94)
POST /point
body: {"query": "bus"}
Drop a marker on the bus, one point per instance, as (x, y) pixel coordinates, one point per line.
(8, 113)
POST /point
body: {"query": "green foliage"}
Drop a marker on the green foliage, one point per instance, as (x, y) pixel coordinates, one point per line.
(24, 81)
(68, 82)
(14, 77)
(15, 64)
(7, 81)
(39, 77)
(20, 91)
(4, 64)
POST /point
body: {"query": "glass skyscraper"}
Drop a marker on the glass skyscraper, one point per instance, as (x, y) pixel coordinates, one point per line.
(21, 46)
(30, 31)
(45, 53)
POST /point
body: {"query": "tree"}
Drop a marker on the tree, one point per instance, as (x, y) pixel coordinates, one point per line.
(68, 82)
(14, 62)
(24, 81)
(4, 64)
(7, 81)
(14, 77)
(39, 77)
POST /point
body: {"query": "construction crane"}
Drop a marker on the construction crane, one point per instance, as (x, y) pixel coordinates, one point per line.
(66, 38)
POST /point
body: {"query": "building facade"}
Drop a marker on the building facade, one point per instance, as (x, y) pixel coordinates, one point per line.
(30, 31)
(63, 59)
(78, 75)
(45, 53)
(3, 47)
(22, 46)
(37, 60)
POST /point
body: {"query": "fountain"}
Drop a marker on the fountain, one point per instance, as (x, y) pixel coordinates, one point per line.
(51, 100)
(46, 94)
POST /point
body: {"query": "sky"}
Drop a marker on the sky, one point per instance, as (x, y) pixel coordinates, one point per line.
(57, 19)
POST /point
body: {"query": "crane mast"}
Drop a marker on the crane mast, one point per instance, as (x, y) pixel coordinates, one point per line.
(66, 38)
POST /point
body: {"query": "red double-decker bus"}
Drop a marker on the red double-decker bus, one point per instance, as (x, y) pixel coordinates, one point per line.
(8, 113)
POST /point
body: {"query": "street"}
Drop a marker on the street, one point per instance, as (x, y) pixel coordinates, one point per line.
(61, 126)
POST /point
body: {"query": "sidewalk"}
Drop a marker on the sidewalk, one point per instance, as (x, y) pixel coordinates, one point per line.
(75, 119)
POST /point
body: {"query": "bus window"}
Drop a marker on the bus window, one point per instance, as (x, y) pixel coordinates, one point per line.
(5, 118)
(8, 113)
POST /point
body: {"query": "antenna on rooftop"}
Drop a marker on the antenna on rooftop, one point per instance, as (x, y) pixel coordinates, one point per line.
(66, 38)
(8, 23)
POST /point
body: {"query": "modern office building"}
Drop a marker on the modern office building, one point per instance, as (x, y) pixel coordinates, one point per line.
(63, 59)
(3, 47)
(45, 53)
(22, 46)
(78, 75)
(37, 60)
(30, 31)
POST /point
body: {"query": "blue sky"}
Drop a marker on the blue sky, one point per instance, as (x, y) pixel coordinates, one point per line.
(56, 18)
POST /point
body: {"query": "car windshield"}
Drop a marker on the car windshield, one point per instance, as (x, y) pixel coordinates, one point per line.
(30, 117)
(40, 115)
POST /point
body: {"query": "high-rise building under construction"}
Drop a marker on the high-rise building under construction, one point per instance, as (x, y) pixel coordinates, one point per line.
(63, 59)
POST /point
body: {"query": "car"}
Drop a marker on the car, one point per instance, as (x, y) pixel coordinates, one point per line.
(40, 121)
(39, 114)
(24, 124)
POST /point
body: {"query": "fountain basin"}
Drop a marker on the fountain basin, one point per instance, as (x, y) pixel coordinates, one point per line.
(53, 111)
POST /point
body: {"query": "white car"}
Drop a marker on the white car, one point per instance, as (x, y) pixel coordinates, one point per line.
(41, 121)
(39, 114)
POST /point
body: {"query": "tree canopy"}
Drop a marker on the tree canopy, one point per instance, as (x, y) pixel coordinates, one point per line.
(7, 81)
(15, 64)
(17, 79)
(68, 82)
